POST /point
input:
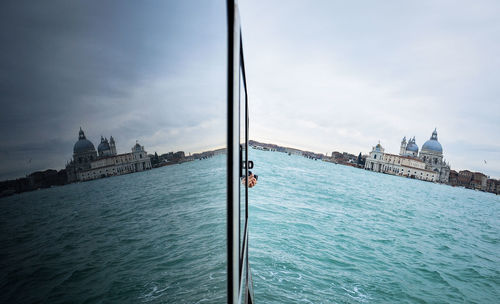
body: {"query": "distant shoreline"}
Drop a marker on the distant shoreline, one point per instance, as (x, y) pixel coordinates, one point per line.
(348, 159)
(50, 177)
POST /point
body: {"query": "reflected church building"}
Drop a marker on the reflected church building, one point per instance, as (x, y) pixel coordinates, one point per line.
(88, 164)
(427, 165)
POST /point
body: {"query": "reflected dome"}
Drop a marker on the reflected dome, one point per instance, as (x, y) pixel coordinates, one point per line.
(83, 144)
(103, 146)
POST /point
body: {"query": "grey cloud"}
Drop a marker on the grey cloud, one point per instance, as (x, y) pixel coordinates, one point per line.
(114, 68)
(377, 71)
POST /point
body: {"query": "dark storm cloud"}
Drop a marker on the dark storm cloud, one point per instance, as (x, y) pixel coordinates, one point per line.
(126, 69)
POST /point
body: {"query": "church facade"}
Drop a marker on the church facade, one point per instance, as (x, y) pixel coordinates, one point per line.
(88, 164)
(428, 164)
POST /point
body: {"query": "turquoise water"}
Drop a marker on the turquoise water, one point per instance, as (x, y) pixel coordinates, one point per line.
(156, 237)
(319, 233)
(326, 233)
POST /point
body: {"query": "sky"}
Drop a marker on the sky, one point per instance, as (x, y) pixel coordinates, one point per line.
(343, 75)
(322, 76)
(150, 71)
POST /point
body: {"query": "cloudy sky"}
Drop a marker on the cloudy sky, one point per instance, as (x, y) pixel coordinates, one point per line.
(151, 71)
(342, 75)
(322, 75)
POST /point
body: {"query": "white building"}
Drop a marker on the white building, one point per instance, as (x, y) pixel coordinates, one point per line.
(432, 155)
(428, 165)
(88, 164)
(402, 165)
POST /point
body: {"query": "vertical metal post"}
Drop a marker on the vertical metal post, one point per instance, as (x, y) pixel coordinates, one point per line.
(246, 118)
(243, 72)
(233, 163)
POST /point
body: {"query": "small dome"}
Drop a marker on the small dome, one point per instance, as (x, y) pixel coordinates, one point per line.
(412, 147)
(103, 146)
(378, 148)
(83, 144)
(433, 144)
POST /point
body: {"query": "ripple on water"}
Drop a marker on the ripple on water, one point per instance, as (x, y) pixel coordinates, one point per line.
(319, 233)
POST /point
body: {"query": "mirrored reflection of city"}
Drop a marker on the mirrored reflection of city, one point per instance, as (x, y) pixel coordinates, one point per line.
(113, 156)
(272, 152)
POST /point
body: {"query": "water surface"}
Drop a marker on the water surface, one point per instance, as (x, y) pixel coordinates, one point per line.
(326, 233)
(155, 236)
(319, 233)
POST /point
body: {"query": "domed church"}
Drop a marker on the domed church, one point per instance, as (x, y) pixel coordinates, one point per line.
(427, 165)
(431, 154)
(87, 163)
(83, 152)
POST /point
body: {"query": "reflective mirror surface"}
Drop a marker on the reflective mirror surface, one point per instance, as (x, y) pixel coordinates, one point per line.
(113, 154)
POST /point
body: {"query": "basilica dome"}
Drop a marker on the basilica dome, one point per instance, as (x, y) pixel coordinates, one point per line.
(83, 144)
(103, 146)
(433, 144)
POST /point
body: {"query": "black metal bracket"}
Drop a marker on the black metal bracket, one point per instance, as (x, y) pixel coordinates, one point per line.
(250, 164)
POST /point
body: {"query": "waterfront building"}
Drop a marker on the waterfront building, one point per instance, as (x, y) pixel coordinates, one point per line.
(493, 186)
(474, 180)
(464, 178)
(432, 155)
(478, 181)
(401, 165)
(83, 154)
(88, 164)
(453, 180)
(427, 165)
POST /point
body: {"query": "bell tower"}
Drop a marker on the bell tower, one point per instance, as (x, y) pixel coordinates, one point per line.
(402, 150)
(112, 145)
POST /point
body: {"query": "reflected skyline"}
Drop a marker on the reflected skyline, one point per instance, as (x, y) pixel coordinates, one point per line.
(132, 71)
